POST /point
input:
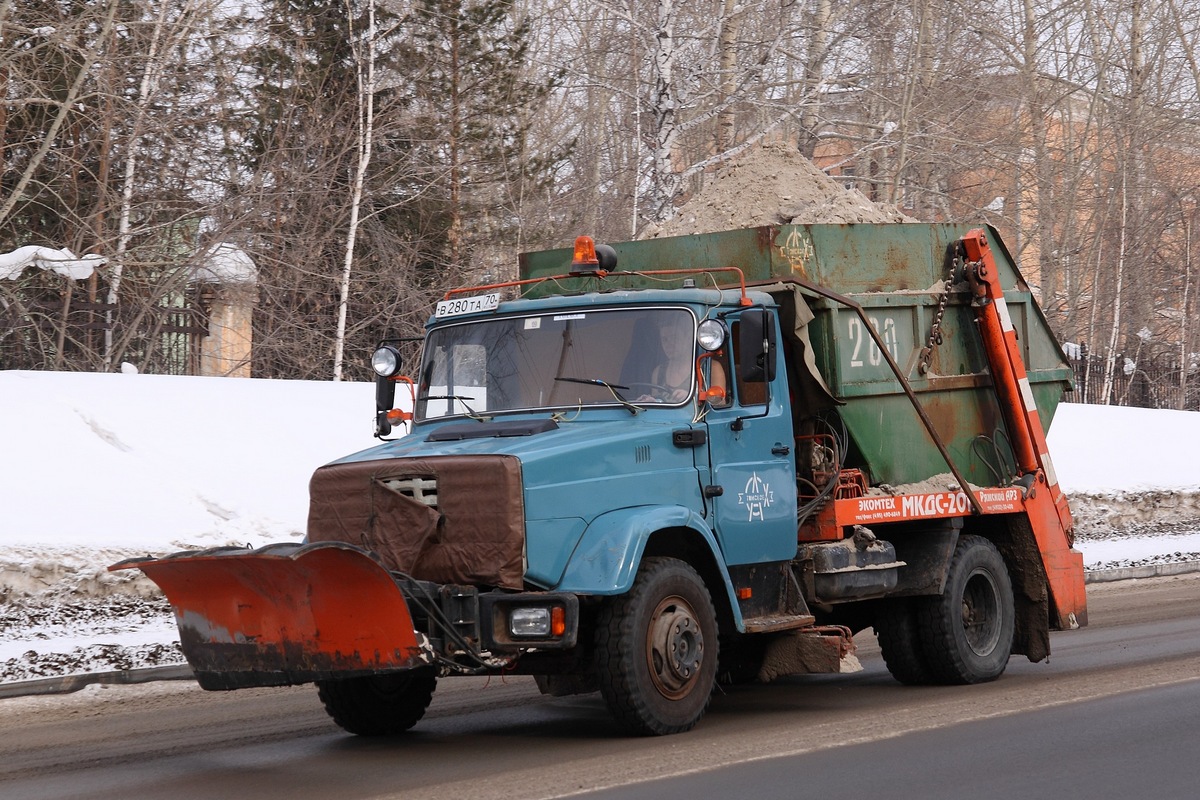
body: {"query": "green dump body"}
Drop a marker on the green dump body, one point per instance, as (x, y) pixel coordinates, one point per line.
(896, 273)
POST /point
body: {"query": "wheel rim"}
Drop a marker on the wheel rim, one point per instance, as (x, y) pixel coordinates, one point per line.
(981, 617)
(674, 647)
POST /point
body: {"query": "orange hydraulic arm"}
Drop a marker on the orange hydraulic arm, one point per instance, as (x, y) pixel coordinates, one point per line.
(1045, 503)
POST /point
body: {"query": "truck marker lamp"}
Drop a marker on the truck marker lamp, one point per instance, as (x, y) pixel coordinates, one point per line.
(386, 361)
(745, 593)
(396, 416)
(711, 335)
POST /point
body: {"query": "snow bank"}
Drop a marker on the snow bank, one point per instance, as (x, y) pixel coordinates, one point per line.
(1101, 449)
(95, 468)
(104, 461)
(1127, 467)
(100, 466)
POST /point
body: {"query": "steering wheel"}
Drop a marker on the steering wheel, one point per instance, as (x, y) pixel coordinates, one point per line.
(660, 392)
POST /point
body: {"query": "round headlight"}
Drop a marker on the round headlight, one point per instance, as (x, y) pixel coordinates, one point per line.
(711, 334)
(386, 361)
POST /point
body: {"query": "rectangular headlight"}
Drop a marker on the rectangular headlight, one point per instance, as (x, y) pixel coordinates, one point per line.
(529, 621)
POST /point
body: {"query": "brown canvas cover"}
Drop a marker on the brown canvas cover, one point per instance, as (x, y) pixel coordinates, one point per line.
(473, 535)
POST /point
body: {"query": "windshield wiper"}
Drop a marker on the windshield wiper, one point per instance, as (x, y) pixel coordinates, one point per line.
(470, 411)
(612, 387)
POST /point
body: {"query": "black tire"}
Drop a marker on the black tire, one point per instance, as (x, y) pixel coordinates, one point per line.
(656, 650)
(379, 705)
(900, 642)
(741, 658)
(967, 633)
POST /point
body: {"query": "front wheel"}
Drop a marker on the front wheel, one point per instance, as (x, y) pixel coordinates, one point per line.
(379, 705)
(656, 649)
(967, 633)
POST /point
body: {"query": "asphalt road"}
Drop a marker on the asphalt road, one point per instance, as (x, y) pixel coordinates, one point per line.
(1110, 715)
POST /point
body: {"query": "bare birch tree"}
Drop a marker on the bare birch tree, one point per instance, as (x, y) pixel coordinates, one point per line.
(166, 36)
(91, 52)
(365, 74)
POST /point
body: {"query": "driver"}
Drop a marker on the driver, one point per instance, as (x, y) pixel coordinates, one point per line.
(670, 380)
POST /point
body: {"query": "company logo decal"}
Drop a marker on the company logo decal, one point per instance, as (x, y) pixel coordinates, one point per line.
(756, 498)
(797, 251)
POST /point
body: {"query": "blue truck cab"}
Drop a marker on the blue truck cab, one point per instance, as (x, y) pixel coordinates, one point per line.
(613, 440)
(632, 428)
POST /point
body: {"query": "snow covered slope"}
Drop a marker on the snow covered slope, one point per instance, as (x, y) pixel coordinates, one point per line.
(99, 467)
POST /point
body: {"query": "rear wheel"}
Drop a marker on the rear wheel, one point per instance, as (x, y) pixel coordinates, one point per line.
(656, 649)
(379, 705)
(967, 632)
(900, 643)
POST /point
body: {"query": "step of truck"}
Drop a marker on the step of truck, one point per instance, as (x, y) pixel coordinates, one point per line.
(778, 622)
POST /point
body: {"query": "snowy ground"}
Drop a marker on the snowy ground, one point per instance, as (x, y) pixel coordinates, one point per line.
(96, 468)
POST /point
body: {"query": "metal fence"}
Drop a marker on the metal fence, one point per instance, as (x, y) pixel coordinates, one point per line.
(1146, 382)
(69, 333)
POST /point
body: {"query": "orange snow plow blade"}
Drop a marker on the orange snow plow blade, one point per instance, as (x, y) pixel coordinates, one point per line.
(285, 614)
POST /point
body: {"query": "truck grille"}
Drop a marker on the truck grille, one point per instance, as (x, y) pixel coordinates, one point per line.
(422, 490)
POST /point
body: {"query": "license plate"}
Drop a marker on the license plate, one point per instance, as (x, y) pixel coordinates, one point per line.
(467, 305)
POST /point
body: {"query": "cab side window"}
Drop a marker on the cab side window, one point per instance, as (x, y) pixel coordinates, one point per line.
(719, 386)
(749, 393)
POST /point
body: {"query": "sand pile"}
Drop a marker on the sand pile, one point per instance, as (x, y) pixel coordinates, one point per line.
(773, 185)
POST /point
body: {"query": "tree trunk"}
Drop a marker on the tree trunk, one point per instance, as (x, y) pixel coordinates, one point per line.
(726, 119)
(1185, 312)
(1036, 111)
(366, 126)
(913, 81)
(455, 234)
(64, 109)
(1115, 330)
(149, 84)
(814, 67)
(663, 106)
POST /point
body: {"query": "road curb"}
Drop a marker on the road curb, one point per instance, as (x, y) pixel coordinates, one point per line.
(66, 684)
(1149, 571)
(180, 672)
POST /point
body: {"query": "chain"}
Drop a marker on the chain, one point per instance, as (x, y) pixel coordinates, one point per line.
(935, 330)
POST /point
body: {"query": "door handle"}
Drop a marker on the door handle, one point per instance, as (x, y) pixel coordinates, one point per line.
(780, 450)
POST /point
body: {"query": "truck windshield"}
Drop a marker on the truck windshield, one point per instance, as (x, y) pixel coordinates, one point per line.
(562, 359)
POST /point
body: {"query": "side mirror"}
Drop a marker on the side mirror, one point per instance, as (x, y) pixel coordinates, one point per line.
(385, 401)
(385, 394)
(756, 346)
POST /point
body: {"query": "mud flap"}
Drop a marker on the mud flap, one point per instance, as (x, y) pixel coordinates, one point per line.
(285, 614)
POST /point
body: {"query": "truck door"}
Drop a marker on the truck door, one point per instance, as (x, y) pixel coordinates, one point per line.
(750, 448)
